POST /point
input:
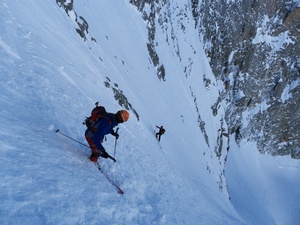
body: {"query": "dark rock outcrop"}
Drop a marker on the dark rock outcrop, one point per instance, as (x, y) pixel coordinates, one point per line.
(255, 50)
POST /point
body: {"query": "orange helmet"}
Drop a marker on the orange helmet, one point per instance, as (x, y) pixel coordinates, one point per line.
(122, 115)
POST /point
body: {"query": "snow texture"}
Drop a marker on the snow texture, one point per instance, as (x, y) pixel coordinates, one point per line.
(51, 78)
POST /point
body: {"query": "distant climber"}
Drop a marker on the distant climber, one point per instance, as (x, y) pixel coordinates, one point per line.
(98, 125)
(160, 132)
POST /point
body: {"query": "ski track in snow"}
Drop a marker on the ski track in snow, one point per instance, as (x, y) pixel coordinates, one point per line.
(8, 49)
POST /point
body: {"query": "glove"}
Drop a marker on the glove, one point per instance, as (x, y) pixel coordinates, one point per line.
(115, 134)
(104, 154)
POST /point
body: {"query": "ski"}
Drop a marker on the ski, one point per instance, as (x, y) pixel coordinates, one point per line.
(119, 190)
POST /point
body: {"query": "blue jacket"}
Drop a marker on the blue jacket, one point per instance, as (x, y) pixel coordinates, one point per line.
(104, 126)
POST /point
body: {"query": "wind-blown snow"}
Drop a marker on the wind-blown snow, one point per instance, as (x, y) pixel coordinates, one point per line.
(51, 78)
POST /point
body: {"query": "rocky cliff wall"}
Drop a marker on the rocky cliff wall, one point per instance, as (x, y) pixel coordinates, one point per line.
(253, 48)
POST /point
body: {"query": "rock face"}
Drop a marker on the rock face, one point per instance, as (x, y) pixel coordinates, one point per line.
(253, 47)
(83, 25)
(254, 50)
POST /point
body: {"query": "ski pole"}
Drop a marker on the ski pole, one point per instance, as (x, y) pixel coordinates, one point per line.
(116, 143)
(58, 131)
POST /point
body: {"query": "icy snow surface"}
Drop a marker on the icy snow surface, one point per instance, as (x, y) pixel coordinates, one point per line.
(51, 78)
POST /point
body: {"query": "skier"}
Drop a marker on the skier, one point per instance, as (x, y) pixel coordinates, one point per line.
(160, 132)
(104, 125)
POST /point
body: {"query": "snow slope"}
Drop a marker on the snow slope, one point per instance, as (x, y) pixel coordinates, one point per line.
(51, 78)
